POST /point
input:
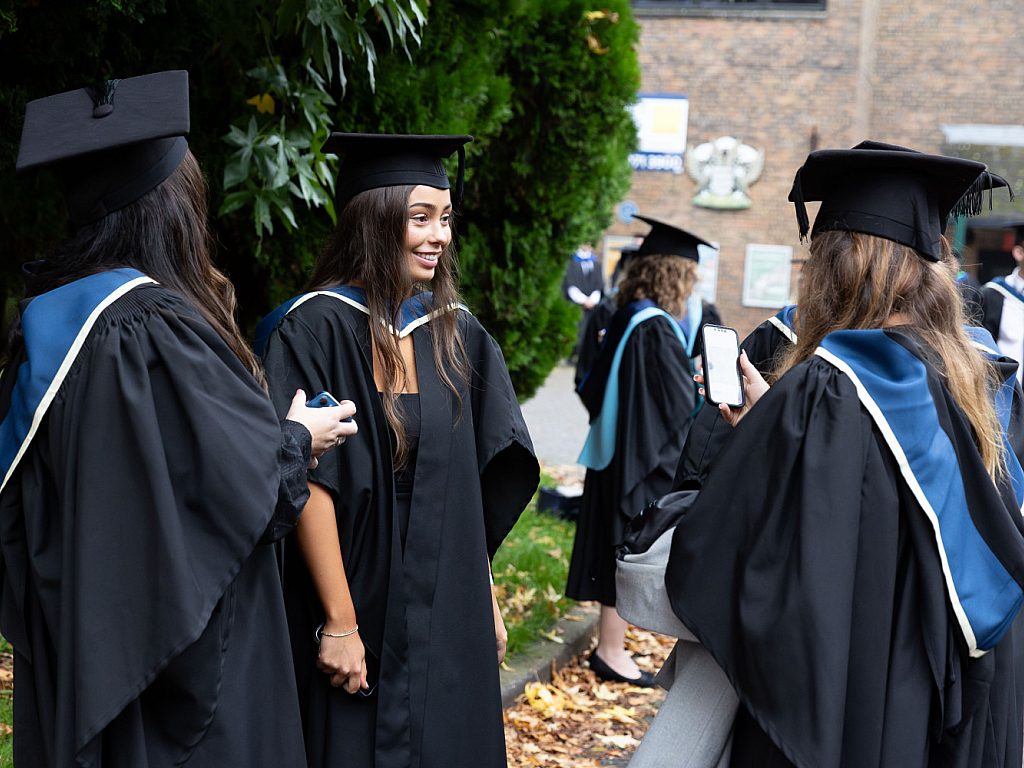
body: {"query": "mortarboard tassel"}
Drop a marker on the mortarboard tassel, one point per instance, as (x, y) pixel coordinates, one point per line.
(460, 179)
(971, 203)
(103, 98)
(801, 208)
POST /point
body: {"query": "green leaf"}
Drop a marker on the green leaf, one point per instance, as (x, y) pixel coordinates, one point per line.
(261, 216)
(236, 171)
(233, 202)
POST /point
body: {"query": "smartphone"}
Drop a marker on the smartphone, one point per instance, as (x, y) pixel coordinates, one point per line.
(372, 673)
(723, 382)
(323, 400)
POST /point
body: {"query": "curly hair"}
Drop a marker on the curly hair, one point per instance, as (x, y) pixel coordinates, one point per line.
(666, 280)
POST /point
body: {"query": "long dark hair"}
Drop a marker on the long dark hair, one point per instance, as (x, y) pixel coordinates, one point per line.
(368, 247)
(165, 235)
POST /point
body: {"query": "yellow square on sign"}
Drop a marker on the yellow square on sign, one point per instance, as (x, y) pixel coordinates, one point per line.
(666, 116)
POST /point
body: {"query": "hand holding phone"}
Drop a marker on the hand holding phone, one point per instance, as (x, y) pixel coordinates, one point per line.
(324, 400)
(723, 380)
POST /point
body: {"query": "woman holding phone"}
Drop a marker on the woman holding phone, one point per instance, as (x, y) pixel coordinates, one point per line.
(641, 400)
(396, 632)
(855, 559)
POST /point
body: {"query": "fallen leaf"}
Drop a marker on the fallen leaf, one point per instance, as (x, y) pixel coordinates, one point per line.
(621, 740)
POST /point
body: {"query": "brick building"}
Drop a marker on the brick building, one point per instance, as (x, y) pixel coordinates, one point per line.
(787, 77)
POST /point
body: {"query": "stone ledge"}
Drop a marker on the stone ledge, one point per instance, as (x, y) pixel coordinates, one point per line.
(534, 662)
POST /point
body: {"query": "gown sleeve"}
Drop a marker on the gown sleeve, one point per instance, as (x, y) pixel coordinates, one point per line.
(164, 454)
(295, 359)
(293, 459)
(509, 471)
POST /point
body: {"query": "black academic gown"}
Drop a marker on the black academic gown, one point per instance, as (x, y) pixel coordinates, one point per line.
(424, 615)
(657, 396)
(809, 571)
(147, 621)
(594, 323)
(587, 280)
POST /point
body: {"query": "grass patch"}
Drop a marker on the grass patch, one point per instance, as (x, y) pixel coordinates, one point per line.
(529, 571)
(6, 709)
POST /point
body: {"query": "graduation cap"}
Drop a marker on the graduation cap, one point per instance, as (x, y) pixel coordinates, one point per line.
(666, 240)
(111, 144)
(374, 160)
(890, 191)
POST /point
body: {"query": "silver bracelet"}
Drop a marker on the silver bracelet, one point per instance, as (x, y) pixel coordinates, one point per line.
(321, 633)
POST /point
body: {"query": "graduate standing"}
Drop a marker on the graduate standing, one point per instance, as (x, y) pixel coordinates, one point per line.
(142, 465)
(396, 633)
(1002, 303)
(595, 322)
(855, 559)
(641, 399)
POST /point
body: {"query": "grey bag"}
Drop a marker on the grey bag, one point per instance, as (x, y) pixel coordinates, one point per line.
(693, 727)
(640, 596)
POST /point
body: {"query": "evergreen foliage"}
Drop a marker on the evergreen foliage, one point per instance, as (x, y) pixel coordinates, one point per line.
(541, 84)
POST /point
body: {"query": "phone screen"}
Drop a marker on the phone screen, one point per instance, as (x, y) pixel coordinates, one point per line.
(722, 380)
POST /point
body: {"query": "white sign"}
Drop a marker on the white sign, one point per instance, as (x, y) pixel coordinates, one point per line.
(766, 275)
(707, 283)
(661, 121)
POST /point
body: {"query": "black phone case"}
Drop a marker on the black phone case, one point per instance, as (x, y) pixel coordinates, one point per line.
(704, 358)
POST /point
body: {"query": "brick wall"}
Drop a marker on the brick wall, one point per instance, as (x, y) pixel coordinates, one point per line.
(890, 70)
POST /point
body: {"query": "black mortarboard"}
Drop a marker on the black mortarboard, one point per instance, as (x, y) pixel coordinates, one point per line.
(666, 240)
(110, 145)
(374, 160)
(890, 191)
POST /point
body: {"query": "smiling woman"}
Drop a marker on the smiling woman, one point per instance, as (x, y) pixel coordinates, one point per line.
(392, 550)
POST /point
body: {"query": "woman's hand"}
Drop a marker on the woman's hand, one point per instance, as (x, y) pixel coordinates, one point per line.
(754, 386)
(343, 659)
(500, 633)
(325, 425)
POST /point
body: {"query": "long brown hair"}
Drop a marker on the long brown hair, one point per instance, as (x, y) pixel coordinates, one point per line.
(854, 280)
(666, 280)
(368, 247)
(165, 235)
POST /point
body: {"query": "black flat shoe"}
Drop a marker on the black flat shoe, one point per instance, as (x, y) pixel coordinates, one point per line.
(604, 672)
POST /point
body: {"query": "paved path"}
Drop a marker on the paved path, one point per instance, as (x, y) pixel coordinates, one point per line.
(557, 419)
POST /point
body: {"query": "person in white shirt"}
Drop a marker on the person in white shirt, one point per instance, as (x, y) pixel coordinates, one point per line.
(1002, 301)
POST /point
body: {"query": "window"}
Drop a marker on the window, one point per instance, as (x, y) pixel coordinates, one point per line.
(686, 6)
